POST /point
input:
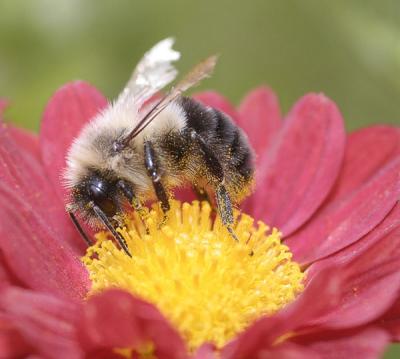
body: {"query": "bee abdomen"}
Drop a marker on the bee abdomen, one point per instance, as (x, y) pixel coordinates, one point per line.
(226, 140)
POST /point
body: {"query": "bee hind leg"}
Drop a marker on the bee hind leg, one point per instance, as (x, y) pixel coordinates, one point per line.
(153, 170)
(224, 202)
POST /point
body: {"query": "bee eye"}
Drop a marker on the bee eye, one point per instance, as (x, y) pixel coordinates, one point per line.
(100, 195)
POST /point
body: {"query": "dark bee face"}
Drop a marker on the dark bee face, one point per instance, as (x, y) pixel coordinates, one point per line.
(102, 193)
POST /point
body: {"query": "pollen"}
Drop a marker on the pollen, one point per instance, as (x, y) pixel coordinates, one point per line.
(208, 285)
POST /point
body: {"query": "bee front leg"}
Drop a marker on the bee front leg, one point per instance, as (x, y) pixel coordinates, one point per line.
(153, 170)
(128, 193)
(214, 166)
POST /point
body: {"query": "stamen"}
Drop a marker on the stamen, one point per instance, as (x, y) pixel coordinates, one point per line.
(212, 286)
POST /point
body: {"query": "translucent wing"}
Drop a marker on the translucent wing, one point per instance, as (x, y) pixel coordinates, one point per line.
(152, 73)
(198, 73)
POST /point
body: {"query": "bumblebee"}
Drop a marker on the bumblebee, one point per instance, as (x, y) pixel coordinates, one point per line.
(139, 148)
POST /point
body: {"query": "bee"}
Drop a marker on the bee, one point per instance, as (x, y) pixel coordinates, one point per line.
(139, 149)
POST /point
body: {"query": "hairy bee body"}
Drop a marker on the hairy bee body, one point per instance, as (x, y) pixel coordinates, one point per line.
(134, 151)
(179, 159)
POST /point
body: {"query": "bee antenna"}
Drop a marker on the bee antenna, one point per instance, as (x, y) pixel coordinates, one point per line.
(80, 229)
(107, 223)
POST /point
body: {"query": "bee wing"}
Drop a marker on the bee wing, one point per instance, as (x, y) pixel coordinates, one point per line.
(198, 73)
(152, 73)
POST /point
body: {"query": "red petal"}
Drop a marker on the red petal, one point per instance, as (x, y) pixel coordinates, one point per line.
(68, 110)
(116, 319)
(264, 333)
(34, 253)
(298, 172)
(372, 267)
(215, 100)
(24, 174)
(7, 277)
(368, 343)
(367, 151)
(288, 351)
(391, 321)
(25, 140)
(43, 321)
(206, 351)
(12, 344)
(346, 220)
(260, 117)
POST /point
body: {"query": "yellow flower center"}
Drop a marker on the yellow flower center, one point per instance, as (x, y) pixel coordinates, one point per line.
(208, 285)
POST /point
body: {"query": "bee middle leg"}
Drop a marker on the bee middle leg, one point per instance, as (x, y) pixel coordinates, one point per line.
(153, 170)
(223, 199)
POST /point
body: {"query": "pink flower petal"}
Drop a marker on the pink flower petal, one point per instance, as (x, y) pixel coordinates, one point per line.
(346, 220)
(367, 150)
(68, 110)
(288, 350)
(33, 252)
(12, 345)
(260, 117)
(7, 277)
(299, 170)
(264, 333)
(215, 100)
(391, 321)
(26, 140)
(44, 322)
(368, 343)
(372, 283)
(206, 351)
(117, 319)
(22, 172)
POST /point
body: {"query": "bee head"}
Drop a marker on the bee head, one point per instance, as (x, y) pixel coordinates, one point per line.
(102, 193)
(96, 189)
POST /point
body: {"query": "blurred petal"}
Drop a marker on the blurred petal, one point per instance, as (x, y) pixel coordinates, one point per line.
(7, 277)
(368, 343)
(26, 140)
(265, 332)
(260, 117)
(288, 351)
(206, 351)
(117, 319)
(12, 345)
(391, 321)
(214, 99)
(346, 220)
(298, 172)
(367, 151)
(72, 106)
(45, 322)
(33, 252)
(23, 174)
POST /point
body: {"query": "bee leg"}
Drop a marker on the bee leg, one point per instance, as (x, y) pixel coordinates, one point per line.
(150, 161)
(107, 223)
(127, 191)
(224, 204)
(223, 199)
(83, 234)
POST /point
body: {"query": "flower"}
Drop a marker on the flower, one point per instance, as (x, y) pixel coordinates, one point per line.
(334, 197)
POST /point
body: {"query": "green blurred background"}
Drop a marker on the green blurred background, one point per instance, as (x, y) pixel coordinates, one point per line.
(350, 50)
